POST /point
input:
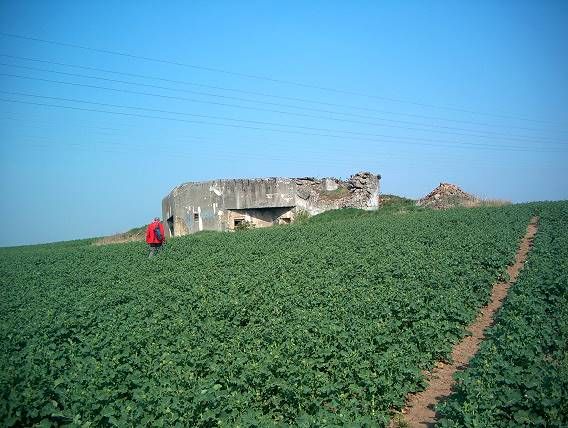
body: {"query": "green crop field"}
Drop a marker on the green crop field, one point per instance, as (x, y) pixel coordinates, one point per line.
(325, 323)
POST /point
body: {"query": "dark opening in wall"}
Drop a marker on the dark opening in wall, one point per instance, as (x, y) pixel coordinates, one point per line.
(195, 216)
(170, 222)
(259, 217)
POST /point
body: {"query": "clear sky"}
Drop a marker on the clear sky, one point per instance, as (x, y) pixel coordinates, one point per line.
(106, 106)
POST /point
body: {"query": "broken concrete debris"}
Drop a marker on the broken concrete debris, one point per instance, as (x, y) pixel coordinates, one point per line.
(447, 195)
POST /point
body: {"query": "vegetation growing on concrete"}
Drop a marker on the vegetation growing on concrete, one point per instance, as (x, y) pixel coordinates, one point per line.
(316, 324)
(388, 200)
(244, 225)
(301, 216)
(390, 204)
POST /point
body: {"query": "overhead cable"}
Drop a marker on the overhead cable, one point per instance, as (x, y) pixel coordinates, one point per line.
(490, 134)
(263, 94)
(265, 78)
(355, 137)
(174, 97)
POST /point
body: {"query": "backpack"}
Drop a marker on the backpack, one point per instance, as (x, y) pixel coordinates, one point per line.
(157, 232)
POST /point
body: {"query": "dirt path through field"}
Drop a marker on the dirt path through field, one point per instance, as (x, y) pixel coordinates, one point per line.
(420, 408)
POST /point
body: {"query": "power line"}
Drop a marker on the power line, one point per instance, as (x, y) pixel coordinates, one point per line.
(41, 124)
(448, 143)
(269, 79)
(491, 133)
(304, 100)
(298, 154)
(177, 154)
(461, 145)
(241, 120)
(231, 155)
(278, 143)
(105, 126)
(413, 140)
(435, 162)
(404, 155)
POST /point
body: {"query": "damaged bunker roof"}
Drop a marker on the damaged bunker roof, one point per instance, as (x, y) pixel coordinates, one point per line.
(357, 178)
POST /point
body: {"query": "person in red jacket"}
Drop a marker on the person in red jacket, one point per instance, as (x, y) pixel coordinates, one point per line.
(155, 236)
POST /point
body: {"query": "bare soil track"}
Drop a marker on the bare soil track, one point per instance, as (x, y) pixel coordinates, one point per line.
(419, 411)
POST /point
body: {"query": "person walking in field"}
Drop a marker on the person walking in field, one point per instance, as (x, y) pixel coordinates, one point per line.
(155, 236)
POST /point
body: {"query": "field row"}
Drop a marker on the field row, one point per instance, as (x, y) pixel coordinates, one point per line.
(520, 375)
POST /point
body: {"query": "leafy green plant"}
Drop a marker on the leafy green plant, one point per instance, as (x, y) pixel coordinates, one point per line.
(244, 225)
(301, 216)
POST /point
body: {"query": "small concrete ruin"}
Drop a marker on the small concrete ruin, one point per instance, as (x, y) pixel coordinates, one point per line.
(224, 204)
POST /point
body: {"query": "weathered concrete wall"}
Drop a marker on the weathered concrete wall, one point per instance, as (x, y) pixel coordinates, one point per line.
(215, 205)
(204, 206)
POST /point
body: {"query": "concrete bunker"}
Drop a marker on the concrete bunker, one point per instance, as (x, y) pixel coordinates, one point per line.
(224, 204)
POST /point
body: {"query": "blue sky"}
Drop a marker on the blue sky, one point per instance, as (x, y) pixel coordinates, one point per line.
(104, 107)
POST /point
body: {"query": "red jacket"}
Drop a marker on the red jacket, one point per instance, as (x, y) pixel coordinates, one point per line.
(151, 237)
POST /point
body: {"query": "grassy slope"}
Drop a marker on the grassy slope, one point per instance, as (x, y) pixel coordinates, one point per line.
(134, 234)
(327, 322)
